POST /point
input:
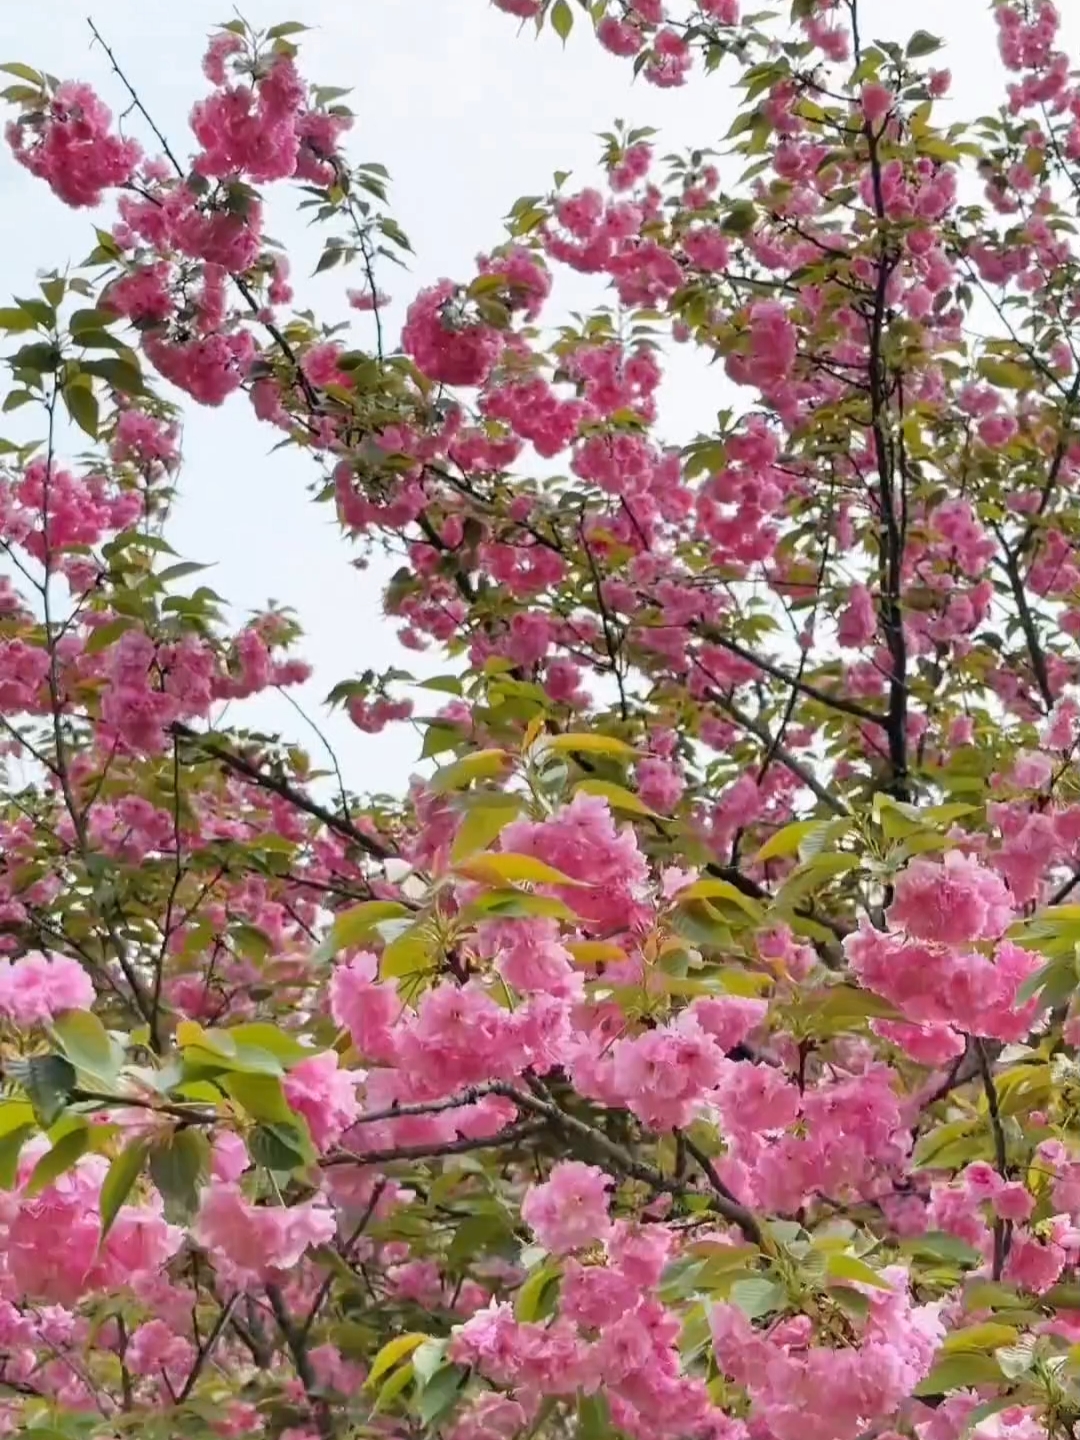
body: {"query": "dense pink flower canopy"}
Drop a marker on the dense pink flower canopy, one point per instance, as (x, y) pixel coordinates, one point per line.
(691, 1053)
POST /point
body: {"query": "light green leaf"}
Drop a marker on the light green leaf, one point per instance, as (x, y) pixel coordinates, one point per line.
(757, 1296)
(118, 1183)
(87, 1044)
(261, 1096)
(357, 924)
(63, 1155)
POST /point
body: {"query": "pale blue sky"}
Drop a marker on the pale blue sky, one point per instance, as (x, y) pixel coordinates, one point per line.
(467, 114)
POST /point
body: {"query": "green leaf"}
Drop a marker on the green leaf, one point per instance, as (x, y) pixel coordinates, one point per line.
(740, 219)
(392, 1387)
(278, 1146)
(176, 1169)
(48, 1080)
(261, 1096)
(121, 374)
(850, 1267)
(537, 1297)
(562, 19)
(41, 310)
(23, 72)
(87, 1044)
(15, 320)
(938, 1245)
(514, 904)
(63, 1155)
(262, 1036)
(356, 924)
(14, 1114)
(102, 636)
(90, 320)
(757, 1296)
(959, 1372)
(593, 1418)
(40, 357)
(118, 1183)
(922, 43)
(720, 890)
(11, 1143)
(440, 1393)
(287, 27)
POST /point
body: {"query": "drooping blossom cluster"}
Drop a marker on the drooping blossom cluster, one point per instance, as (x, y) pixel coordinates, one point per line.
(691, 1052)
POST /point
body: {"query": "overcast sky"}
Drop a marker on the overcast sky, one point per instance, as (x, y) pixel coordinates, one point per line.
(467, 113)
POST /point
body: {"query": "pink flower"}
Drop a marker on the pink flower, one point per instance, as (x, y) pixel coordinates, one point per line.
(455, 351)
(619, 36)
(581, 840)
(876, 101)
(324, 1095)
(38, 987)
(570, 1210)
(729, 1019)
(951, 903)
(1033, 1265)
(659, 783)
(365, 1007)
(254, 1242)
(73, 150)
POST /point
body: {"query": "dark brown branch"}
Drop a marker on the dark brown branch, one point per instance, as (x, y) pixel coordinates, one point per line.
(251, 772)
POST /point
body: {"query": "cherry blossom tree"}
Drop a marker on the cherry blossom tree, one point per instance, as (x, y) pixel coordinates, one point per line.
(691, 1052)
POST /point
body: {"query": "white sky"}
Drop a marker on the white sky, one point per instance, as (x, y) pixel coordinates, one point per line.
(467, 113)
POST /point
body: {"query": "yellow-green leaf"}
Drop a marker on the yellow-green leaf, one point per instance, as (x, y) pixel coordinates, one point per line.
(393, 1353)
(482, 765)
(617, 796)
(720, 890)
(504, 868)
(988, 1336)
(356, 924)
(483, 824)
(786, 842)
(590, 745)
(850, 1267)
